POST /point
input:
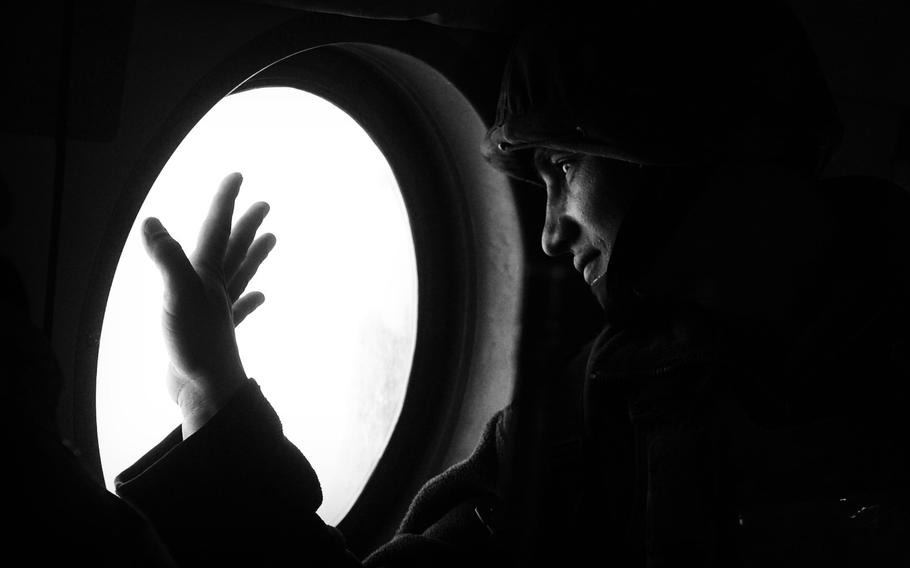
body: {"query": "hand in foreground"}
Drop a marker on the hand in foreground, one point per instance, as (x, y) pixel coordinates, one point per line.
(203, 303)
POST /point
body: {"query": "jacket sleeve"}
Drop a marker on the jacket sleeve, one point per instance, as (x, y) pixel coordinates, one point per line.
(457, 517)
(235, 493)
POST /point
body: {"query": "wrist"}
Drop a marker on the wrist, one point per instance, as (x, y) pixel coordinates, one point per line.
(198, 406)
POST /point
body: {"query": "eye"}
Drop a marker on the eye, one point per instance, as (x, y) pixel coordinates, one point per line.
(565, 165)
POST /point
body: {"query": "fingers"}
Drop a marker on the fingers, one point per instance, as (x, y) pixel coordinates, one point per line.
(246, 305)
(168, 255)
(241, 237)
(257, 253)
(213, 238)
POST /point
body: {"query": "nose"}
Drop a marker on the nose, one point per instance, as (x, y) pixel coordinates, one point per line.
(559, 228)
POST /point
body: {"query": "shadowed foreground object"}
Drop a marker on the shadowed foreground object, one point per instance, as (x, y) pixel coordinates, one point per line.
(57, 513)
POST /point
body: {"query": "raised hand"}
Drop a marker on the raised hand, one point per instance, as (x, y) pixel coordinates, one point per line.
(203, 302)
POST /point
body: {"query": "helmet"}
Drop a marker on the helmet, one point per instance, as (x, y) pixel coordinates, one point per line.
(664, 84)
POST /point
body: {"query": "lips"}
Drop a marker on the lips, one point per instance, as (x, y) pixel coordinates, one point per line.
(585, 263)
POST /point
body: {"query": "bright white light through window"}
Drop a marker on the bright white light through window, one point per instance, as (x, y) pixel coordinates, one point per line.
(333, 343)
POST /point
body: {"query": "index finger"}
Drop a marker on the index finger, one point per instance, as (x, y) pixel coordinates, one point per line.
(213, 237)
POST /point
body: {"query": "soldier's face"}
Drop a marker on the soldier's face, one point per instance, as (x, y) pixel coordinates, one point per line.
(587, 198)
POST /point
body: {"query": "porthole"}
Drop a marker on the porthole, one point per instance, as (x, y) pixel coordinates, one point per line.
(332, 346)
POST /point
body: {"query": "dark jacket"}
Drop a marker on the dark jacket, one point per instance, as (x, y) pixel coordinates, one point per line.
(681, 436)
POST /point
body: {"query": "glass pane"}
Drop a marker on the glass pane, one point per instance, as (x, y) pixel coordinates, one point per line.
(333, 343)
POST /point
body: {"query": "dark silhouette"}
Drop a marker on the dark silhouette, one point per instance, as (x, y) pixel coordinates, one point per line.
(57, 513)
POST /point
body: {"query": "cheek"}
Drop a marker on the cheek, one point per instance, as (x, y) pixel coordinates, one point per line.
(601, 207)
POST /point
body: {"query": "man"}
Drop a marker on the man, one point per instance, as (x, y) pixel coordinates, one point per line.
(740, 408)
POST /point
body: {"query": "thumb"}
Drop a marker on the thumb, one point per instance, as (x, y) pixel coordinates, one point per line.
(168, 255)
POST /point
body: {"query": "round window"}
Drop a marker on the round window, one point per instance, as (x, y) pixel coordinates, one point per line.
(333, 344)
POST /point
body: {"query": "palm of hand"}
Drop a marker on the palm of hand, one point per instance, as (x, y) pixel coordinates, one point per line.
(204, 301)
